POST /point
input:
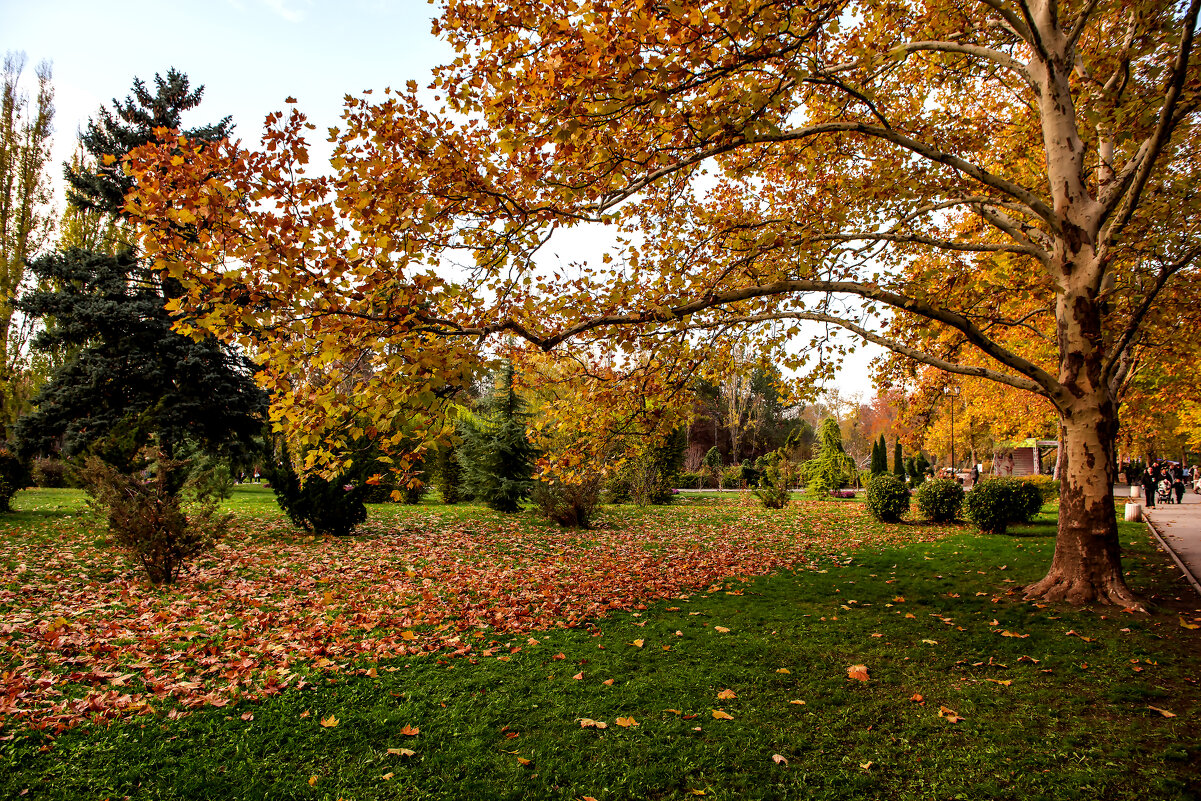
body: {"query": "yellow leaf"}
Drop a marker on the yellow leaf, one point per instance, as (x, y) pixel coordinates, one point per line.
(1186, 625)
(626, 723)
(930, 642)
(857, 672)
(312, 781)
(674, 711)
(1163, 712)
(949, 714)
(799, 703)
(783, 670)
(637, 643)
(721, 629)
(405, 752)
(866, 765)
(726, 695)
(720, 715)
(329, 722)
(408, 635)
(697, 792)
(523, 760)
(109, 159)
(1002, 682)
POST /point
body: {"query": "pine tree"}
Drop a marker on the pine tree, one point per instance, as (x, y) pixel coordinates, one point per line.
(879, 463)
(832, 468)
(497, 456)
(898, 460)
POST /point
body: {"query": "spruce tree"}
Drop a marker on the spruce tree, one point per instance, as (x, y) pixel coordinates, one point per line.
(497, 456)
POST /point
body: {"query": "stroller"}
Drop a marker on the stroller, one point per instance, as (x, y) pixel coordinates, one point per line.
(1164, 492)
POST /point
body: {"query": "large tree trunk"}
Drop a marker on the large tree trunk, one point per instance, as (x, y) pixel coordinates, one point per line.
(1087, 565)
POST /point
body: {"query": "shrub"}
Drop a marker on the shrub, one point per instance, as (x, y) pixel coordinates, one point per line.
(318, 505)
(147, 516)
(448, 475)
(994, 503)
(380, 492)
(1048, 487)
(887, 498)
(940, 500)
(50, 473)
(13, 476)
(731, 477)
(697, 480)
(571, 505)
(775, 483)
(1029, 499)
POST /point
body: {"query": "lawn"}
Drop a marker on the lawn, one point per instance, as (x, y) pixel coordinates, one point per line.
(704, 648)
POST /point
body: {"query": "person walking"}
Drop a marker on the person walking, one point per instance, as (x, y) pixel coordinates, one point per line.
(1148, 481)
(1178, 482)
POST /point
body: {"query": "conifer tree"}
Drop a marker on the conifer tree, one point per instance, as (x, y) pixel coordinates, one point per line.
(898, 460)
(497, 457)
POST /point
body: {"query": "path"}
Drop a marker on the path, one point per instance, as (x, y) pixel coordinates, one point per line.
(1179, 529)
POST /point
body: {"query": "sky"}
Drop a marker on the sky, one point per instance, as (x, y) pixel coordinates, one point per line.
(249, 55)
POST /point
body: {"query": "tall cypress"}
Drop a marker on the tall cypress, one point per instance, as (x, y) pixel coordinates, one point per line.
(898, 461)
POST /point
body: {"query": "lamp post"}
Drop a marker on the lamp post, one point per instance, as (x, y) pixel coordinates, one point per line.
(952, 392)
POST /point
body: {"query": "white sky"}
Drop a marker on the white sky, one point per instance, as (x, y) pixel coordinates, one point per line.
(249, 55)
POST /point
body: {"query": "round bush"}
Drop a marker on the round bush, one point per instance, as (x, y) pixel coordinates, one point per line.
(887, 498)
(994, 503)
(940, 499)
(1029, 501)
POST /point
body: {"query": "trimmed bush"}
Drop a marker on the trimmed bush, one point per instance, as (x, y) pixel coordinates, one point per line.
(887, 498)
(1047, 485)
(147, 516)
(319, 505)
(1029, 501)
(994, 503)
(940, 499)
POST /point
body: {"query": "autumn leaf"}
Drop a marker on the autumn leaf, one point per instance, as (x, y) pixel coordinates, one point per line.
(779, 759)
(579, 676)
(857, 672)
(783, 670)
(626, 723)
(866, 765)
(313, 781)
(1163, 712)
(722, 715)
(524, 761)
(721, 629)
(388, 776)
(1186, 625)
(404, 752)
(674, 711)
(930, 642)
(1014, 634)
(410, 731)
(408, 635)
(637, 643)
(607, 682)
(329, 722)
(917, 698)
(799, 703)
(1002, 682)
(950, 715)
(726, 695)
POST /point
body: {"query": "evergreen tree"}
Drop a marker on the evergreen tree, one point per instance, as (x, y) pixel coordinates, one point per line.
(879, 463)
(832, 468)
(129, 378)
(898, 460)
(712, 461)
(497, 457)
(448, 474)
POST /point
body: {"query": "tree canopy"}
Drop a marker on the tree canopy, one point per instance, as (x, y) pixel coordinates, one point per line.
(871, 168)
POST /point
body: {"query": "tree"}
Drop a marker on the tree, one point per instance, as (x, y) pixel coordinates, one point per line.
(26, 220)
(898, 463)
(831, 468)
(496, 456)
(130, 378)
(879, 457)
(754, 154)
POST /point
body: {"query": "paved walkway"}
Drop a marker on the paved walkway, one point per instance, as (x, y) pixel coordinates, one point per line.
(1179, 529)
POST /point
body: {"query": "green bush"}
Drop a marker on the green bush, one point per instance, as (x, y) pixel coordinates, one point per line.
(994, 503)
(1029, 501)
(1047, 486)
(148, 517)
(13, 477)
(697, 480)
(318, 505)
(887, 498)
(571, 505)
(731, 477)
(775, 483)
(940, 499)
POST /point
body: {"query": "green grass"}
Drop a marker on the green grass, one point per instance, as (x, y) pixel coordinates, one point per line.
(1074, 721)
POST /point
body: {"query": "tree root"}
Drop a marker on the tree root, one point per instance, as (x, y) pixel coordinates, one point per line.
(1058, 587)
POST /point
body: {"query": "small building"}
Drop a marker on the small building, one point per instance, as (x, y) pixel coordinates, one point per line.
(1027, 457)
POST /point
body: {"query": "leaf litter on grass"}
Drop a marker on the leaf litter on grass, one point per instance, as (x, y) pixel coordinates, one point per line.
(85, 637)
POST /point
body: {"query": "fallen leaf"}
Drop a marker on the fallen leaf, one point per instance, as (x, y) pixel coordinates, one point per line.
(779, 759)
(304, 714)
(410, 731)
(916, 698)
(589, 723)
(329, 722)
(523, 760)
(857, 672)
(312, 781)
(637, 643)
(408, 635)
(1186, 625)
(674, 711)
(720, 715)
(994, 622)
(721, 629)
(930, 642)
(388, 776)
(405, 752)
(697, 792)
(626, 723)
(783, 670)
(578, 676)
(1163, 712)
(1014, 634)
(607, 682)
(949, 714)
(726, 695)
(559, 656)
(866, 765)
(801, 703)
(1002, 682)
(247, 716)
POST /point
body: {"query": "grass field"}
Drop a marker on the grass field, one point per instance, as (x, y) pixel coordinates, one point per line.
(449, 652)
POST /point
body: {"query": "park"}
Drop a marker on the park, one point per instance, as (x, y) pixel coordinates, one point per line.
(511, 434)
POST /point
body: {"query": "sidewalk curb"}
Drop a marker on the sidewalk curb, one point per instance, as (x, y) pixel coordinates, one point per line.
(1188, 574)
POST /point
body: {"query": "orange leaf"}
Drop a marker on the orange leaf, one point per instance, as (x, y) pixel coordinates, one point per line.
(523, 760)
(578, 676)
(916, 698)
(410, 731)
(721, 629)
(799, 703)
(1186, 625)
(626, 723)
(720, 715)
(607, 682)
(1163, 712)
(637, 643)
(726, 695)
(950, 714)
(408, 635)
(857, 672)
(313, 781)
(783, 670)
(329, 722)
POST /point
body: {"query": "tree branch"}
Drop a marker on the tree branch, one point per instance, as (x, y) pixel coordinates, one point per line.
(987, 53)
